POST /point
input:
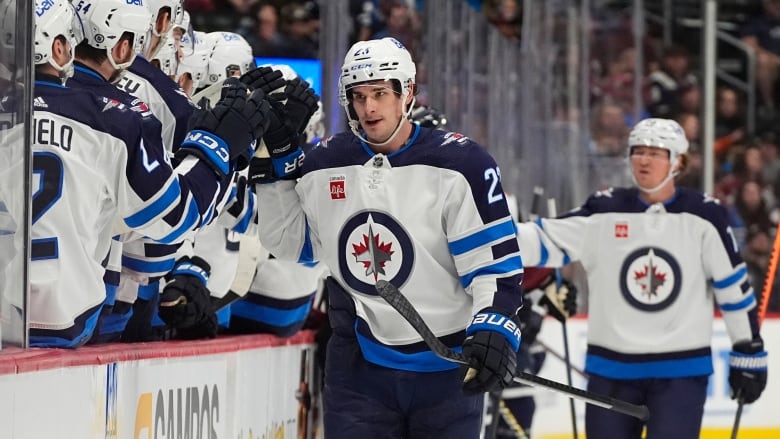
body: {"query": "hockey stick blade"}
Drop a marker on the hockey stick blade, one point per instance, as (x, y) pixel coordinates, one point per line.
(393, 296)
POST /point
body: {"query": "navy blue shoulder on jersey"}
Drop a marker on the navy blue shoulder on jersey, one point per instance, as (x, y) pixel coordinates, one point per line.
(175, 98)
(99, 113)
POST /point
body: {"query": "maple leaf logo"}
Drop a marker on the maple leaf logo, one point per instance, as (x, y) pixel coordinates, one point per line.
(372, 253)
(649, 279)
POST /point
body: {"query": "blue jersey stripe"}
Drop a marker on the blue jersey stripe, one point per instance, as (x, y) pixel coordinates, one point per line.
(307, 252)
(192, 218)
(243, 224)
(507, 267)
(382, 355)
(483, 237)
(145, 266)
(745, 303)
(731, 280)
(161, 204)
(675, 368)
(269, 315)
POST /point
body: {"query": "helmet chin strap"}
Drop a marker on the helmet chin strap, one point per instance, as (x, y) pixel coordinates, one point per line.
(355, 126)
(671, 175)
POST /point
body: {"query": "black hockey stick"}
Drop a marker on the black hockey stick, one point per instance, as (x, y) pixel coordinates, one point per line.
(393, 296)
(740, 405)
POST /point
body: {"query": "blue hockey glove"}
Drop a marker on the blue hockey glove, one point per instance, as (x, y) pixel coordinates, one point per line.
(492, 341)
(185, 303)
(225, 133)
(748, 370)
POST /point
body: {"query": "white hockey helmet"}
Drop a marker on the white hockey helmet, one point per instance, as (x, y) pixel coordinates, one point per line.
(376, 60)
(167, 56)
(230, 53)
(174, 7)
(54, 18)
(105, 21)
(195, 63)
(661, 133)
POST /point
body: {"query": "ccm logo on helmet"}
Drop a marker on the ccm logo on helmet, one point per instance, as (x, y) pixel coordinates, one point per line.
(361, 66)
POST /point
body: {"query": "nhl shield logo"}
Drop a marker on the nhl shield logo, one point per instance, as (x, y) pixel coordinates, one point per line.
(373, 246)
(650, 279)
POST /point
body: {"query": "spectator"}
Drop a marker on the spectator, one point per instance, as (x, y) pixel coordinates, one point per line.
(762, 33)
(401, 24)
(506, 16)
(664, 84)
(729, 120)
(748, 210)
(266, 39)
(300, 30)
(756, 253)
(607, 155)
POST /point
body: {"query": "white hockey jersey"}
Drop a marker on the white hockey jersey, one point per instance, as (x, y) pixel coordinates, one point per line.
(430, 218)
(652, 271)
(97, 173)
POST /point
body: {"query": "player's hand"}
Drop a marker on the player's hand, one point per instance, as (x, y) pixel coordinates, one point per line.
(301, 103)
(492, 341)
(560, 301)
(280, 157)
(185, 303)
(748, 370)
(263, 78)
(222, 134)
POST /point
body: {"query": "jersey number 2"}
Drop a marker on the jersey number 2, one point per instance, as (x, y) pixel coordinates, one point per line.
(493, 175)
(49, 170)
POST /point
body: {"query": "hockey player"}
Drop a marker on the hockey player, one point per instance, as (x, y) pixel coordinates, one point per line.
(650, 252)
(99, 172)
(451, 248)
(169, 103)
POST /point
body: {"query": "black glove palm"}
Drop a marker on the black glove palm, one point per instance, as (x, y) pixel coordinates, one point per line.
(185, 303)
(263, 78)
(748, 370)
(492, 344)
(228, 131)
(301, 103)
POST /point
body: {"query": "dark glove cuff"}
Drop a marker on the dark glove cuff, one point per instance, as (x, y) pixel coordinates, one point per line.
(493, 320)
(195, 267)
(208, 147)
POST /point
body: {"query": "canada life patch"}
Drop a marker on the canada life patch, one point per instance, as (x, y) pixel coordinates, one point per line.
(338, 188)
(621, 230)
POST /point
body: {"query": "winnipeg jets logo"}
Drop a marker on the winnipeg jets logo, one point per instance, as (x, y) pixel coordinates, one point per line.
(373, 245)
(372, 253)
(650, 279)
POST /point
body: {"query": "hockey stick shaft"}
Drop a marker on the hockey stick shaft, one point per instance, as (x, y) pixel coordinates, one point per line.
(769, 280)
(560, 357)
(393, 296)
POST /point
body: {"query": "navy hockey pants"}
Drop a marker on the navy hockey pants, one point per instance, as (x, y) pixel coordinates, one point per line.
(363, 400)
(676, 408)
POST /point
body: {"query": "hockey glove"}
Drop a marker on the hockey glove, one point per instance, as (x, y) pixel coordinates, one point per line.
(748, 370)
(531, 318)
(561, 302)
(185, 303)
(301, 103)
(492, 341)
(222, 134)
(282, 158)
(263, 78)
